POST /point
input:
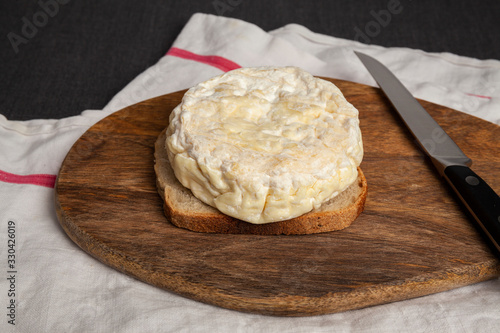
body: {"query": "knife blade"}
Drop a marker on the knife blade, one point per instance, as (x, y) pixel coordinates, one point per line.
(452, 164)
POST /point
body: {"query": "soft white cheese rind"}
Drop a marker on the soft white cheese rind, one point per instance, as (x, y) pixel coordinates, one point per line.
(265, 144)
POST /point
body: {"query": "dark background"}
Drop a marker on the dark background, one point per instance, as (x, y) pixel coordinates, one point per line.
(89, 50)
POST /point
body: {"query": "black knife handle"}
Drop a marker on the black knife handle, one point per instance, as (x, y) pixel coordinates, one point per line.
(478, 197)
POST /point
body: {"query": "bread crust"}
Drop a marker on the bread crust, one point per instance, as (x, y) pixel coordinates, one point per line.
(185, 211)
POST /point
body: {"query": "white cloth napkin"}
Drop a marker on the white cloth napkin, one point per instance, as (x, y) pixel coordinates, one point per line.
(57, 287)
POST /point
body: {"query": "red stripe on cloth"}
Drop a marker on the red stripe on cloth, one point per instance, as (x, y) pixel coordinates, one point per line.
(221, 63)
(36, 179)
(480, 96)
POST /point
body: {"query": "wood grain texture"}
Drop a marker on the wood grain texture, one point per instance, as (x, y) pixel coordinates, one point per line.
(412, 239)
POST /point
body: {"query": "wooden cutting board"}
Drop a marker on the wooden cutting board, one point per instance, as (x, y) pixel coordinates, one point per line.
(412, 239)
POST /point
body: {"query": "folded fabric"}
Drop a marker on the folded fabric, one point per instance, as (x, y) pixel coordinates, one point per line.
(464, 84)
(57, 287)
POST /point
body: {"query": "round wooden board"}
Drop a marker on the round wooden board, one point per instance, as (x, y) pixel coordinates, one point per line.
(412, 239)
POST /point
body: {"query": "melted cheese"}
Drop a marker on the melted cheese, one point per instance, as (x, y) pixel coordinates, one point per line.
(265, 144)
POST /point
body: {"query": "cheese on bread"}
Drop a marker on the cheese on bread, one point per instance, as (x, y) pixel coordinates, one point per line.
(265, 144)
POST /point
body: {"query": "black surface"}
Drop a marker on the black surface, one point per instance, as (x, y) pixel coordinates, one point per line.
(89, 50)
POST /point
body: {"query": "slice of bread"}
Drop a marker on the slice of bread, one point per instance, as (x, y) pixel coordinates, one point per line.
(184, 210)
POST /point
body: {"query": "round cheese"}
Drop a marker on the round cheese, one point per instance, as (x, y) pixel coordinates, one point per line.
(265, 144)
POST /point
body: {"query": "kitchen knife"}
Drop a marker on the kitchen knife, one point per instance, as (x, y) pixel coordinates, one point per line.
(477, 196)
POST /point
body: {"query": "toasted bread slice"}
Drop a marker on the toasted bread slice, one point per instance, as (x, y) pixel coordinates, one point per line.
(184, 210)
